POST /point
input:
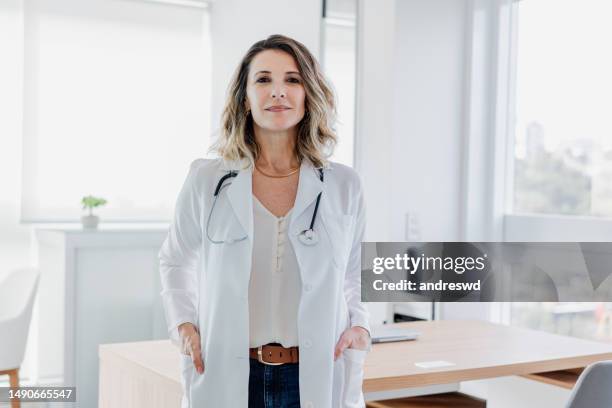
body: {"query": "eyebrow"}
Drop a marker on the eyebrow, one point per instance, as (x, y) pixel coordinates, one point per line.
(268, 72)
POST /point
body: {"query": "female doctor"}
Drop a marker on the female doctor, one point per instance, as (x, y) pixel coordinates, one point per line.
(260, 271)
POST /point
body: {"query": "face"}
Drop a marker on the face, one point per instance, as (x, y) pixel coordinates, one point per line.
(275, 91)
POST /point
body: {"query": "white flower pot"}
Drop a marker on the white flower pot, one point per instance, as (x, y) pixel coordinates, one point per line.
(90, 221)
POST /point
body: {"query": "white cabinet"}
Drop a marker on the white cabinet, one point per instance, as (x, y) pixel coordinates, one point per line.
(100, 286)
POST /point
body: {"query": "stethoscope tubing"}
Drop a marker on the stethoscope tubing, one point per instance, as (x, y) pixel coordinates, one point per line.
(307, 237)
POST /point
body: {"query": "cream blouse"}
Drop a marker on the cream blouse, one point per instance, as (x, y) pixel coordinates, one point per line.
(275, 284)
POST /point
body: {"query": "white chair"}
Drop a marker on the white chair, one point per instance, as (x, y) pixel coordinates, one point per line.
(593, 390)
(17, 292)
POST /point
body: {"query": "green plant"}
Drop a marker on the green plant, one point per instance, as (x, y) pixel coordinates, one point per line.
(92, 202)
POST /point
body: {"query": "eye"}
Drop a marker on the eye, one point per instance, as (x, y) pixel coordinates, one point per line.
(263, 79)
(294, 80)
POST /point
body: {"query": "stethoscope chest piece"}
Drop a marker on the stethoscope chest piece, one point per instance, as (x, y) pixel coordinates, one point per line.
(308, 237)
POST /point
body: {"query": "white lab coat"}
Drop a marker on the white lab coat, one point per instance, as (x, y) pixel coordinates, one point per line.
(208, 284)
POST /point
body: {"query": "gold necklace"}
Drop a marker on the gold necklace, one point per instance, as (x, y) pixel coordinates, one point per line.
(275, 176)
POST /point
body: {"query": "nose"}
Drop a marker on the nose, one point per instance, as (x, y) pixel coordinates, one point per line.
(280, 91)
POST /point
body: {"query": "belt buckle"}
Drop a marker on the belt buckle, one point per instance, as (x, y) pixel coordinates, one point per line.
(261, 360)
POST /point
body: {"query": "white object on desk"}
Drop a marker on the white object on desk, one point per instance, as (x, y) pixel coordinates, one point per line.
(434, 364)
(385, 334)
(96, 286)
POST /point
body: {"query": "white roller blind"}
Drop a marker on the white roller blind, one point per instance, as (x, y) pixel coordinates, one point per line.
(116, 104)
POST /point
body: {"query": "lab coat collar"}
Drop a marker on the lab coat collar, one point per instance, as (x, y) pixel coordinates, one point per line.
(240, 195)
(240, 192)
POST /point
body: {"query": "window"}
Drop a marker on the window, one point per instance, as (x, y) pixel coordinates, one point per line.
(563, 145)
(589, 320)
(563, 129)
(339, 64)
(116, 104)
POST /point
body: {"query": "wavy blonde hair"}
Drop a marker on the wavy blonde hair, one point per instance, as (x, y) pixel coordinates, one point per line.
(316, 135)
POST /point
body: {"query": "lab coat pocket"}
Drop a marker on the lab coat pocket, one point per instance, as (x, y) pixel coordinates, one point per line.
(187, 370)
(353, 378)
(340, 231)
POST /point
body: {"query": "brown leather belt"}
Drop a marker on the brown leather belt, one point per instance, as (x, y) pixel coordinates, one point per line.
(275, 354)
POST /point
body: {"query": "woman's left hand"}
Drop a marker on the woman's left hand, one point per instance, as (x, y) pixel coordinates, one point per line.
(355, 338)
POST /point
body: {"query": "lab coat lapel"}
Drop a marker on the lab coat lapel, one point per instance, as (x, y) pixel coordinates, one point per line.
(309, 186)
(240, 196)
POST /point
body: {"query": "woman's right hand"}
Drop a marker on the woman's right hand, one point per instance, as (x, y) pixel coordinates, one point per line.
(190, 340)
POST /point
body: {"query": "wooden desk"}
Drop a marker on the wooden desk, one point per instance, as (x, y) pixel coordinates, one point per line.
(146, 374)
(478, 350)
(143, 374)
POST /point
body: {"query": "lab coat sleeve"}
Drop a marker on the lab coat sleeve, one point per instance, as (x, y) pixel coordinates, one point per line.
(358, 312)
(179, 258)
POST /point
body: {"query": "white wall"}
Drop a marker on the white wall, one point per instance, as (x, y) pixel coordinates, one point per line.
(238, 24)
(427, 107)
(15, 248)
(374, 124)
(410, 124)
(374, 120)
(14, 238)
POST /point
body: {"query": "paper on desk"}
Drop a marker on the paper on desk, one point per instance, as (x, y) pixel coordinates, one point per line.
(434, 364)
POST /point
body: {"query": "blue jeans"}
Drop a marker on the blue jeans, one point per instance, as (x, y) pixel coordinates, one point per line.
(274, 386)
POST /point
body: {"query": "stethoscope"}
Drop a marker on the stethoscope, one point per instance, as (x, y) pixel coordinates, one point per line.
(307, 237)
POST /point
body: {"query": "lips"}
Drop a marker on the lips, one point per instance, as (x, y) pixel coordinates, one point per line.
(278, 108)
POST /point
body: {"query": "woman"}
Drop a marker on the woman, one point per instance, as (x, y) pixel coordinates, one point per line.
(261, 267)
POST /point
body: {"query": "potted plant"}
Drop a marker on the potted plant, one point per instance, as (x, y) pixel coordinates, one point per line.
(91, 202)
